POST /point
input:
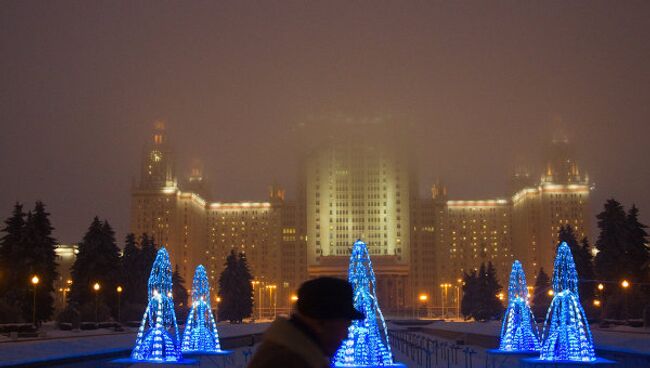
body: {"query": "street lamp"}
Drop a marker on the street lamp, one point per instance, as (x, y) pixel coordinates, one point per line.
(551, 292)
(119, 295)
(601, 287)
(443, 290)
(35, 281)
(423, 299)
(596, 303)
(259, 301)
(96, 287)
(625, 284)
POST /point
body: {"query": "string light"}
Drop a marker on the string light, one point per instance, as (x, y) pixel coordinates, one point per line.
(519, 330)
(200, 333)
(154, 343)
(566, 335)
(367, 343)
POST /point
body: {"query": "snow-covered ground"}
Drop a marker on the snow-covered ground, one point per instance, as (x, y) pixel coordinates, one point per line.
(67, 344)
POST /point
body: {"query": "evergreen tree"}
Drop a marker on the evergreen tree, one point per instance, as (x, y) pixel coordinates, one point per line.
(43, 256)
(541, 298)
(489, 306)
(246, 287)
(470, 294)
(14, 274)
(98, 261)
(146, 256)
(611, 241)
(480, 294)
(178, 289)
(229, 284)
(130, 262)
(637, 262)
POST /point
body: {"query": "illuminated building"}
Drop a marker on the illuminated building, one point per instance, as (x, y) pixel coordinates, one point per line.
(357, 185)
(195, 230)
(560, 198)
(524, 226)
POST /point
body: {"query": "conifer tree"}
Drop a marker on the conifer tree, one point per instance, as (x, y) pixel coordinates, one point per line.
(97, 262)
(13, 271)
(178, 289)
(41, 246)
(637, 268)
(229, 285)
(246, 287)
(490, 307)
(470, 294)
(129, 261)
(541, 298)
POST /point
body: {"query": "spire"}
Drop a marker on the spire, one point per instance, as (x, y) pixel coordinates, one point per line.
(158, 171)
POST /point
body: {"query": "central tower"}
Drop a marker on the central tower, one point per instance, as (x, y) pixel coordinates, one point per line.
(357, 185)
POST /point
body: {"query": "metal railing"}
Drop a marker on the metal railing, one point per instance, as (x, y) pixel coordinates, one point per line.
(430, 353)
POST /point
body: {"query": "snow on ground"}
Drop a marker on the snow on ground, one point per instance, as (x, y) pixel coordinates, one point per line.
(67, 344)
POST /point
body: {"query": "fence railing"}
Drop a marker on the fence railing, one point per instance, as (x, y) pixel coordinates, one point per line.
(431, 353)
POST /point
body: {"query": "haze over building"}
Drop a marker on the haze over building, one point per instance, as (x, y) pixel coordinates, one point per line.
(357, 181)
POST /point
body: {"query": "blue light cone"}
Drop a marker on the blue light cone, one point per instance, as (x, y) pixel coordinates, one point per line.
(200, 335)
(566, 335)
(367, 343)
(155, 342)
(518, 330)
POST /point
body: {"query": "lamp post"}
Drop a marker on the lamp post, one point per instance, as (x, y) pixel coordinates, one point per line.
(96, 287)
(272, 298)
(258, 302)
(444, 287)
(119, 297)
(35, 281)
(460, 283)
(423, 299)
(625, 285)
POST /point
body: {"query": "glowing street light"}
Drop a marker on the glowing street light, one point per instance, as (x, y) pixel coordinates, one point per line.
(423, 297)
(35, 281)
(596, 303)
(601, 287)
(96, 287)
(294, 298)
(551, 292)
(625, 284)
(119, 295)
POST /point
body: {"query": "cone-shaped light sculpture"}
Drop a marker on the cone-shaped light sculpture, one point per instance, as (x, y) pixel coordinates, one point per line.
(519, 330)
(367, 343)
(200, 335)
(157, 339)
(566, 335)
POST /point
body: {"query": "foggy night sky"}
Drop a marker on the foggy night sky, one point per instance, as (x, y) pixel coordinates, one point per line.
(484, 83)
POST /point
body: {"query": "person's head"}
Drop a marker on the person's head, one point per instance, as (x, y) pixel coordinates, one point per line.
(326, 305)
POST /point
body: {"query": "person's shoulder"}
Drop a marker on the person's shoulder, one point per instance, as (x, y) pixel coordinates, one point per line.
(272, 355)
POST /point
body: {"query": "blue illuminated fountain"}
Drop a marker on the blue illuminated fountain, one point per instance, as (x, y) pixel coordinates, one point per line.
(157, 339)
(566, 334)
(519, 330)
(566, 337)
(200, 335)
(367, 343)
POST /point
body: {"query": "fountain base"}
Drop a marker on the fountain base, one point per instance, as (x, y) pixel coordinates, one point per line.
(539, 363)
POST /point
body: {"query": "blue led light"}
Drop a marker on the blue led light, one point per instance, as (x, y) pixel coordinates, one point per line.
(519, 330)
(566, 334)
(367, 343)
(200, 333)
(155, 342)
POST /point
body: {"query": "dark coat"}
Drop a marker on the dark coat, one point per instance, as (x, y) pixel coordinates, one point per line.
(285, 346)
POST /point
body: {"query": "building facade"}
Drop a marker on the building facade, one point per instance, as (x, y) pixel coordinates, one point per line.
(357, 181)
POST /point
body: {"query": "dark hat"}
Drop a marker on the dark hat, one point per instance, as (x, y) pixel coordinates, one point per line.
(327, 298)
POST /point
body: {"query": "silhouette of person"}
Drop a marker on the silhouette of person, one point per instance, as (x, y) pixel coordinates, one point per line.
(315, 330)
